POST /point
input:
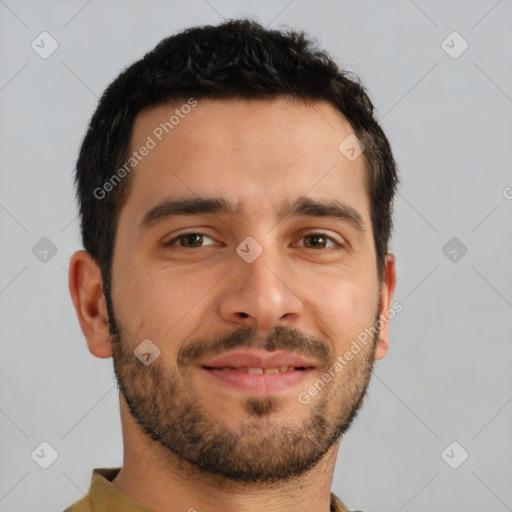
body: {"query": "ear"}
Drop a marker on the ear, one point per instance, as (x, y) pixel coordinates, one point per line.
(86, 289)
(386, 291)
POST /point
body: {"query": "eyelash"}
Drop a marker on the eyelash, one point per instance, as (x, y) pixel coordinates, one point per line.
(196, 232)
(186, 233)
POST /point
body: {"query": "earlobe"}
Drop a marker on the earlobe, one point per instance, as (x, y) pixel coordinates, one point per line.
(86, 290)
(387, 289)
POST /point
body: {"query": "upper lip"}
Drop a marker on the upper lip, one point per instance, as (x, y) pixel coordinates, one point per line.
(253, 359)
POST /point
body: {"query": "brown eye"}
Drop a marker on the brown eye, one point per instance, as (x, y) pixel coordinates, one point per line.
(317, 241)
(192, 240)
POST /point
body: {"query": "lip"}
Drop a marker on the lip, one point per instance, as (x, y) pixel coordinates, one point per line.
(258, 384)
(255, 359)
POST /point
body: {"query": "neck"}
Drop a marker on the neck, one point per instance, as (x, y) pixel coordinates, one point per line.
(162, 482)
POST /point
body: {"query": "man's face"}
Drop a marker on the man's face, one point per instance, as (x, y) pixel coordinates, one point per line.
(271, 280)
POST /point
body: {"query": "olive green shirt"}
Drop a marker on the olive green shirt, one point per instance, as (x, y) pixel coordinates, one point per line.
(103, 496)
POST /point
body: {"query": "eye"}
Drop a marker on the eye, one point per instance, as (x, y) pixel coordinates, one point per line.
(190, 240)
(318, 241)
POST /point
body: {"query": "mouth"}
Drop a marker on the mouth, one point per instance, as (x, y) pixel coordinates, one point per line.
(251, 372)
(258, 381)
(257, 371)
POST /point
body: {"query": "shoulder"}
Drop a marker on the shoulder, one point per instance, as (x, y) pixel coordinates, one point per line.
(338, 506)
(83, 505)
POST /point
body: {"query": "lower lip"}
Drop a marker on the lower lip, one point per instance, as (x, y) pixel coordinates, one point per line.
(259, 383)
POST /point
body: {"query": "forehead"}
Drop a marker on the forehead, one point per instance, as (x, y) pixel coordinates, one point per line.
(256, 153)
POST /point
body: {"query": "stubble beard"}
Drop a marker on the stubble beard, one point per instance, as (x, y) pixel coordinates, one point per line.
(260, 449)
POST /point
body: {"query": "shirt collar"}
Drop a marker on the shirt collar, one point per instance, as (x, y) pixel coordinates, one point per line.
(106, 496)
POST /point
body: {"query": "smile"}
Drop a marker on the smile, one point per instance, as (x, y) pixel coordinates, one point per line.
(280, 369)
(259, 381)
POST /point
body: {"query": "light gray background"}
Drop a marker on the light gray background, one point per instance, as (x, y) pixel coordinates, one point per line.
(447, 376)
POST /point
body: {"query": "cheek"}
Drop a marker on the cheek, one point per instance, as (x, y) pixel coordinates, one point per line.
(161, 304)
(142, 301)
(344, 307)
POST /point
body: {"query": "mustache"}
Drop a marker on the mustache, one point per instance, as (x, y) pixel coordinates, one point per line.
(279, 338)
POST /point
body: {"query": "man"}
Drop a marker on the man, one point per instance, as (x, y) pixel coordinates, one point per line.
(236, 198)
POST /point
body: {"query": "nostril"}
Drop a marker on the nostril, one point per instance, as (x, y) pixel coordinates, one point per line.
(243, 315)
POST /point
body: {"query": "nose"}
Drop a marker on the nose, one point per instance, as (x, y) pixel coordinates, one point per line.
(262, 294)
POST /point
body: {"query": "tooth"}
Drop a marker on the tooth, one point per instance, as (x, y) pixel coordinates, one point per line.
(258, 371)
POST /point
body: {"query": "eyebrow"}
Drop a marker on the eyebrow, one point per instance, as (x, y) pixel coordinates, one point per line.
(186, 206)
(302, 207)
(333, 209)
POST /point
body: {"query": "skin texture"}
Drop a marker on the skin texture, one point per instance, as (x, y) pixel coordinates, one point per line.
(188, 441)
